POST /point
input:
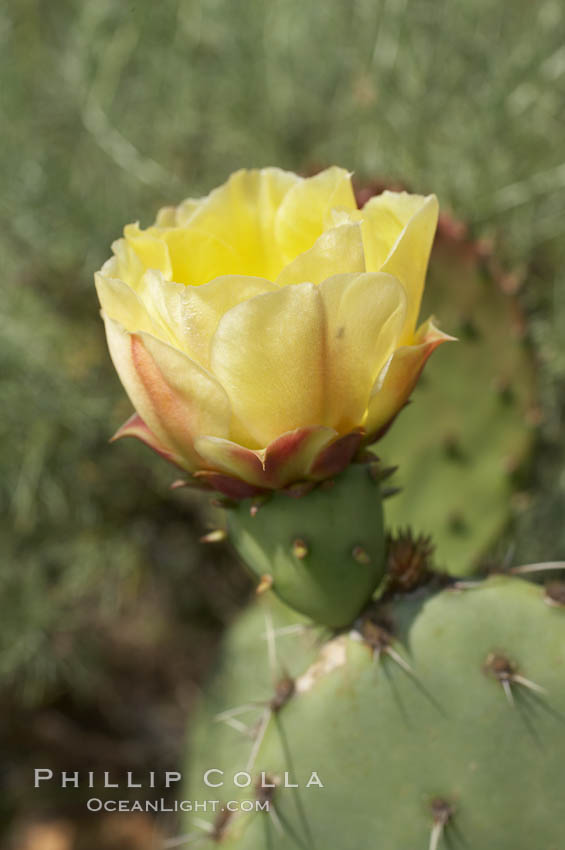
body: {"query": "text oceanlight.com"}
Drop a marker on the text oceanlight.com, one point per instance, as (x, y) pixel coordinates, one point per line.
(97, 805)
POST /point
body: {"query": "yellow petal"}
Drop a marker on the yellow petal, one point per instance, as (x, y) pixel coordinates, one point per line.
(232, 230)
(399, 377)
(306, 210)
(231, 459)
(156, 306)
(306, 355)
(255, 224)
(187, 209)
(198, 256)
(121, 303)
(398, 233)
(150, 248)
(337, 251)
(166, 217)
(176, 398)
(268, 354)
(364, 315)
(125, 264)
(164, 300)
(185, 317)
(196, 311)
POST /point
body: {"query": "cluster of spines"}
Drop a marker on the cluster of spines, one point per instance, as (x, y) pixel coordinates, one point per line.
(375, 629)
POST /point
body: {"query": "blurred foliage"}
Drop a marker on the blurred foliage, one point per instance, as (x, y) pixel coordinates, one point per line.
(112, 109)
(88, 527)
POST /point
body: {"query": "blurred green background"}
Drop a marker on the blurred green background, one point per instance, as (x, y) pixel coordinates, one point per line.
(109, 607)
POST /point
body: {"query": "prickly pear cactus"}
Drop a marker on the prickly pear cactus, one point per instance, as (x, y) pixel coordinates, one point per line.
(436, 721)
(323, 553)
(401, 708)
(471, 426)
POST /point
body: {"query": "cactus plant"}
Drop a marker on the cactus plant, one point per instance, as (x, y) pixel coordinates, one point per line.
(404, 750)
(324, 553)
(422, 711)
(435, 721)
(458, 474)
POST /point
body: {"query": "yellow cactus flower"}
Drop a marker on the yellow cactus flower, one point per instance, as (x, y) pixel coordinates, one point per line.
(265, 331)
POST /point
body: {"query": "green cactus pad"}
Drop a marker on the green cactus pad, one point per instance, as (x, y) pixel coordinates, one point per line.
(471, 422)
(466, 751)
(323, 551)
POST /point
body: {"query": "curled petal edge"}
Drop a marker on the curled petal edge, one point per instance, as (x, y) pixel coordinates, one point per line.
(285, 460)
(136, 427)
(394, 386)
(294, 462)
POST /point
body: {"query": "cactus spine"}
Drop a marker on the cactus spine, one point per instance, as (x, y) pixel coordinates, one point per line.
(435, 721)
